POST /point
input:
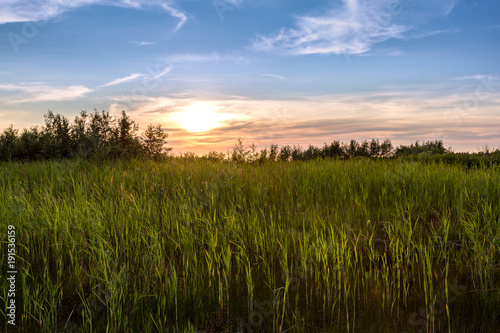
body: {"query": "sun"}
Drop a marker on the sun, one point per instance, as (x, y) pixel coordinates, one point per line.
(199, 117)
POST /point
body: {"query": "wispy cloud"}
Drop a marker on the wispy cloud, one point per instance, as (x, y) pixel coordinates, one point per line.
(273, 76)
(203, 58)
(41, 91)
(40, 10)
(403, 115)
(136, 76)
(353, 28)
(234, 2)
(478, 77)
(169, 7)
(167, 70)
(129, 78)
(432, 33)
(142, 43)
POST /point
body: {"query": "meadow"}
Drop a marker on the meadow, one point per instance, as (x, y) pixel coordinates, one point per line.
(191, 245)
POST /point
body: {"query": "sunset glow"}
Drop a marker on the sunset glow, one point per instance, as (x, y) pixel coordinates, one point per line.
(199, 118)
(271, 72)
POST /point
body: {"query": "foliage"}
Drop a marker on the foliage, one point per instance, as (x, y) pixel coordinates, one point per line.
(325, 245)
(154, 141)
(429, 147)
(97, 134)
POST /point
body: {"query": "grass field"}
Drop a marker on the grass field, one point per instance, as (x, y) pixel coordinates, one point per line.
(190, 245)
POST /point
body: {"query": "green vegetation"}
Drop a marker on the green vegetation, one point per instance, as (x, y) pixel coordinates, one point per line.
(115, 235)
(92, 135)
(190, 244)
(100, 136)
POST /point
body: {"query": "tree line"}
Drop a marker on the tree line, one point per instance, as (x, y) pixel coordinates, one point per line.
(426, 152)
(95, 134)
(336, 149)
(100, 135)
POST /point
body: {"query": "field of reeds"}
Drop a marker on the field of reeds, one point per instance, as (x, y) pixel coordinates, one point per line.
(186, 245)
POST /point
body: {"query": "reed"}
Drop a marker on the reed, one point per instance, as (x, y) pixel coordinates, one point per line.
(188, 245)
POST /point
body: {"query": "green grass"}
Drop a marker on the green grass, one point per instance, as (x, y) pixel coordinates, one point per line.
(192, 245)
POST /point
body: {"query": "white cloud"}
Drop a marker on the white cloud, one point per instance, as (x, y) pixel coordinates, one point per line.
(435, 32)
(129, 78)
(167, 70)
(142, 43)
(203, 58)
(40, 10)
(41, 91)
(273, 76)
(354, 28)
(175, 13)
(479, 77)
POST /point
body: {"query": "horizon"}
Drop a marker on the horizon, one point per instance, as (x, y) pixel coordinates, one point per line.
(285, 73)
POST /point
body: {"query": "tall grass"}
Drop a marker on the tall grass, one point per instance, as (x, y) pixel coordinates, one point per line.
(186, 245)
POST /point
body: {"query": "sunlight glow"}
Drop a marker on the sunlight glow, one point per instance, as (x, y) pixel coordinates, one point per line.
(199, 117)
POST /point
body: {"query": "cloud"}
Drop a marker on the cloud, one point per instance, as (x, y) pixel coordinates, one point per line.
(142, 43)
(129, 78)
(40, 10)
(234, 2)
(403, 115)
(175, 13)
(167, 70)
(41, 91)
(273, 76)
(478, 77)
(353, 28)
(152, 75)
(190, 58)
(435, 32)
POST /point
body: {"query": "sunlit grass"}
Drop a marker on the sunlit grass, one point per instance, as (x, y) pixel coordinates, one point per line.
(186, 245)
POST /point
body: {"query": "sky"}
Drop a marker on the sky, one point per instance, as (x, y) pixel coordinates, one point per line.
(269, 71)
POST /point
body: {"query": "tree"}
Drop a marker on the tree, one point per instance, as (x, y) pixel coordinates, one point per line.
(334, 149)
(56, 139)
(239, 151)
(82, 146)
(30, 144)
(124, 140)
(386, 148)
(8, 143)
(154, 141)
(353, 148)
(273, 152)
(297, 154)
(100, 129)
(285, 153)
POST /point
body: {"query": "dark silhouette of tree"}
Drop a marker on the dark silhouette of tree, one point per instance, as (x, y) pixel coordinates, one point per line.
(285, 153)
(273, 152)
(97, 134)
(154, 141)
(429, 147)
(9, 143)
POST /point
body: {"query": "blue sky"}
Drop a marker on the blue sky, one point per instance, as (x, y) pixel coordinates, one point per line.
(269, 71)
